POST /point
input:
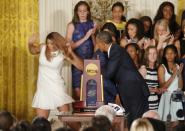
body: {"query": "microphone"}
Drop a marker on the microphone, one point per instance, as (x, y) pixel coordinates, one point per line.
(180, 113)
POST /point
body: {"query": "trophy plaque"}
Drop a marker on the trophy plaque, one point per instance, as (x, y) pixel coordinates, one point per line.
(91, 93)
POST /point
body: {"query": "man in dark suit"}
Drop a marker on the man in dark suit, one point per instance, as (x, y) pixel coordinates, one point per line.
(132, 88)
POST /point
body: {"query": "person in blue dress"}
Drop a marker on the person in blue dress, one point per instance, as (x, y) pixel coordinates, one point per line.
(80, 33)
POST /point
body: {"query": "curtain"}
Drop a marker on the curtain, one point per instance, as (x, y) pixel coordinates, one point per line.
(18, 69)
(181, 8)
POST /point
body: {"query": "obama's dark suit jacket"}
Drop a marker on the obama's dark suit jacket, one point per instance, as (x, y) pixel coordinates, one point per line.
(132, 88)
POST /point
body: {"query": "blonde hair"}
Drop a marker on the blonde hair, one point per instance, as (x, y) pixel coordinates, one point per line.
(141, 124)
(161, 22)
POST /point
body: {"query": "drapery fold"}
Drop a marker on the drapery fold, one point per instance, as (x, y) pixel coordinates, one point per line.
(18, 69)
(181, 8)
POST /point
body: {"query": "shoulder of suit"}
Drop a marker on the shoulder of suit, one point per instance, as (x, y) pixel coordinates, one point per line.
(117, 47)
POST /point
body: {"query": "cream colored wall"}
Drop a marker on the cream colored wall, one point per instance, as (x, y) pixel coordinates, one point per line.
(54, 16)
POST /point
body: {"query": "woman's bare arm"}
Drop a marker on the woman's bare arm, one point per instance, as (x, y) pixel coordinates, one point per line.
(161, 77)
(33, 44)
(180, 82)
(74, 59)
(177, 45)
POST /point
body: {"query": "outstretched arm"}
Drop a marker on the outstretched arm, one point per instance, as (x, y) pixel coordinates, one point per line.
(64, 46)
(74, 59)
(33, 44)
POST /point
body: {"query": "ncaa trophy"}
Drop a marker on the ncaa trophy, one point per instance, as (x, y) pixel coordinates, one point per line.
(91, 93)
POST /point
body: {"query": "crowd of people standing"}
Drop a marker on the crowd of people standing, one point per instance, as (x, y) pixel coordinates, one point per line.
(142, 61)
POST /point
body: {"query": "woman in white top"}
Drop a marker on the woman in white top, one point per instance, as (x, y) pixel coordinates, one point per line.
(169, 75)
(51, 91)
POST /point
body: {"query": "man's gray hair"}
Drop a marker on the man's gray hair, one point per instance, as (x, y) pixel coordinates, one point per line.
(104, 36)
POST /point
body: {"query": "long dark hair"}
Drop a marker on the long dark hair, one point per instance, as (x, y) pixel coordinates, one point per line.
(118, 4)
(183, 16)
(149, 32)
(182, 24)
(76, 19)
(139, 26)
(58, 41)
(112, 28)
(172, 23)
(136, 47)
(164, 60)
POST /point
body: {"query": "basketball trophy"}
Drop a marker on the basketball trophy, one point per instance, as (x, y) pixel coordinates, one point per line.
(91, 93)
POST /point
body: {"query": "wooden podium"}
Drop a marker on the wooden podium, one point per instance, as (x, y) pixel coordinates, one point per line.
(91, 94)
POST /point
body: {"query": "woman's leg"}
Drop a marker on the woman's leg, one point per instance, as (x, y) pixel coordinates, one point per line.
(42, 113)
(76, 82)
(76, 93)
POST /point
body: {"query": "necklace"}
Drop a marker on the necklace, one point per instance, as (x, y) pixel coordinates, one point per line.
(171, 68)
(55, 53)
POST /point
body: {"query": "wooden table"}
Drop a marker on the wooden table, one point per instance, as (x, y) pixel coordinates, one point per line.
(119, 121)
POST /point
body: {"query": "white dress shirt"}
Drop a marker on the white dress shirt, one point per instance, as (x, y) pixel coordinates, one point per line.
(108, 52)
